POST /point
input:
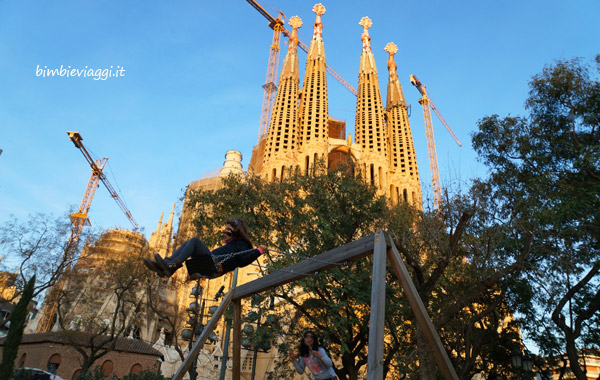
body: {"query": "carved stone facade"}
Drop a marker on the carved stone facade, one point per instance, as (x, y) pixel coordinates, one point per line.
(301, 132)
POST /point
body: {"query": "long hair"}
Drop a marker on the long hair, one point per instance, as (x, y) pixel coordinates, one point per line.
(240, 230)
(303, 349)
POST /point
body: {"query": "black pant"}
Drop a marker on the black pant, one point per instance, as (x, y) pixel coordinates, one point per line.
(192, 248)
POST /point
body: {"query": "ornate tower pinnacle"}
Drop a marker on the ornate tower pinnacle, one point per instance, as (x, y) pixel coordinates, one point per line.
(314, 107)
(366, 23)
(395, 95)
(319, 9)
(290, 62)
(404, 174)
(295, 22)
(367, 61)
(371, 132)
(392, 49)
(280, 149)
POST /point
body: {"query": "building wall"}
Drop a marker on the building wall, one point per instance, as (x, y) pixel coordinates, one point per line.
(37, 355)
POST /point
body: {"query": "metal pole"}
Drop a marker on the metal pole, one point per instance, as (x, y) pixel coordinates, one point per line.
(227, 333)
(255, 347)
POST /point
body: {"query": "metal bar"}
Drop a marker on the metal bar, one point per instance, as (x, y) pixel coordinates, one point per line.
(210, 326)
(227, 332)
(444, 122)
(377, 320)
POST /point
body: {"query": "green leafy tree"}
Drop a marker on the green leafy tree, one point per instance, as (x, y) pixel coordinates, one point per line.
(15, 331)
(545, 180)
(308, 215)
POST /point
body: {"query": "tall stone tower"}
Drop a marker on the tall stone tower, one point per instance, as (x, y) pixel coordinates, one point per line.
(404, 173)
(314, 107)
(371, 132)
(161, 241)
(302, 131)
(280, 150)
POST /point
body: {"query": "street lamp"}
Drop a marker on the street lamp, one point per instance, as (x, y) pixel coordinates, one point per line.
(516, 359)
(522, 361)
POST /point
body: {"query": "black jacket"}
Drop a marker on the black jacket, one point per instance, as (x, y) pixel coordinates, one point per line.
(236, 260)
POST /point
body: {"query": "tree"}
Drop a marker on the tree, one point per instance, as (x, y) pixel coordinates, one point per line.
(39, 246)
(173, 317)
(103, 295)
(15, 332)
(545, 177)
(308, 215)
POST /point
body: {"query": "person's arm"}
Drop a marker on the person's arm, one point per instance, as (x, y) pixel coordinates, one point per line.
(322, 356)
(299, 364)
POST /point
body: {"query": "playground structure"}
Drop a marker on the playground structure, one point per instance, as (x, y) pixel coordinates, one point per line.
(381, 246)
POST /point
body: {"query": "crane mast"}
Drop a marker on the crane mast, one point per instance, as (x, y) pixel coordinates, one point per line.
(76, 138)
(270, 88)
(272, 70)
(79, 219)
(427, 105)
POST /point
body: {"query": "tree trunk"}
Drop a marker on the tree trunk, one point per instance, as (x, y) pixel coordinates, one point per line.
(350, 367)
(574, 359)
(427, 365)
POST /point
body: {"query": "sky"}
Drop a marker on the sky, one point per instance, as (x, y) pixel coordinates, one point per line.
(192, 77)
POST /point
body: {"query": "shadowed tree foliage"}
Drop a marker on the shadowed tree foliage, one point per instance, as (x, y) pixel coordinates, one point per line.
(545, 179)
(15, 331)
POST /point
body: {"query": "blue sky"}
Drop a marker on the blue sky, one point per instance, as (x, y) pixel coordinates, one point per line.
(193, 76)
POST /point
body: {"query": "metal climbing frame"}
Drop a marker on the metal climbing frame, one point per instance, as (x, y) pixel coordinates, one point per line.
(381, 246)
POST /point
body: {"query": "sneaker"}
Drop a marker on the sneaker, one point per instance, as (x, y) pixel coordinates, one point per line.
(167, 267)
(153, 266)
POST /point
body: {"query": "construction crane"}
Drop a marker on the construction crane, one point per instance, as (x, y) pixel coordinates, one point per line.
(427, 105)
(273, 67)
(78, 221)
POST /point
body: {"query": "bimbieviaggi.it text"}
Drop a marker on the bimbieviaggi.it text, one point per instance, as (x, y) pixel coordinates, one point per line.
(96, 74)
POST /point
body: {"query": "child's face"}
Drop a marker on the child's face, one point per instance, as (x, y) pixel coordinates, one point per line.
(228, 231)
(309, 339)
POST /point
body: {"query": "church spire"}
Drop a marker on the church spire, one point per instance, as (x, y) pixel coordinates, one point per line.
(371, 133)
(160, 222)
(282, 135)
(395, 96)
(404, 178)
(314, 108)
(170, 222)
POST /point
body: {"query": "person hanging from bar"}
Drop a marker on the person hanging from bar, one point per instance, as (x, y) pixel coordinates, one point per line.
(202, 263)
(313, 356)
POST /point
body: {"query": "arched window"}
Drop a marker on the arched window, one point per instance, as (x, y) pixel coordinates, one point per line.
(136, 369)
(76, 373)
(107, 368)
(53, 363)
(22, 361)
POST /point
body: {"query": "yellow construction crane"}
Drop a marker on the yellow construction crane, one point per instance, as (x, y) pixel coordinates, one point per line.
(273, 67)
(427, 105)
(79, 220)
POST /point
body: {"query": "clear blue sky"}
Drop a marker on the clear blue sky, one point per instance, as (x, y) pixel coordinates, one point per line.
(192, 85)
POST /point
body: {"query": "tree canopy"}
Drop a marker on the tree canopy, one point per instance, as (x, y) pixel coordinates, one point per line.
(545, 183)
